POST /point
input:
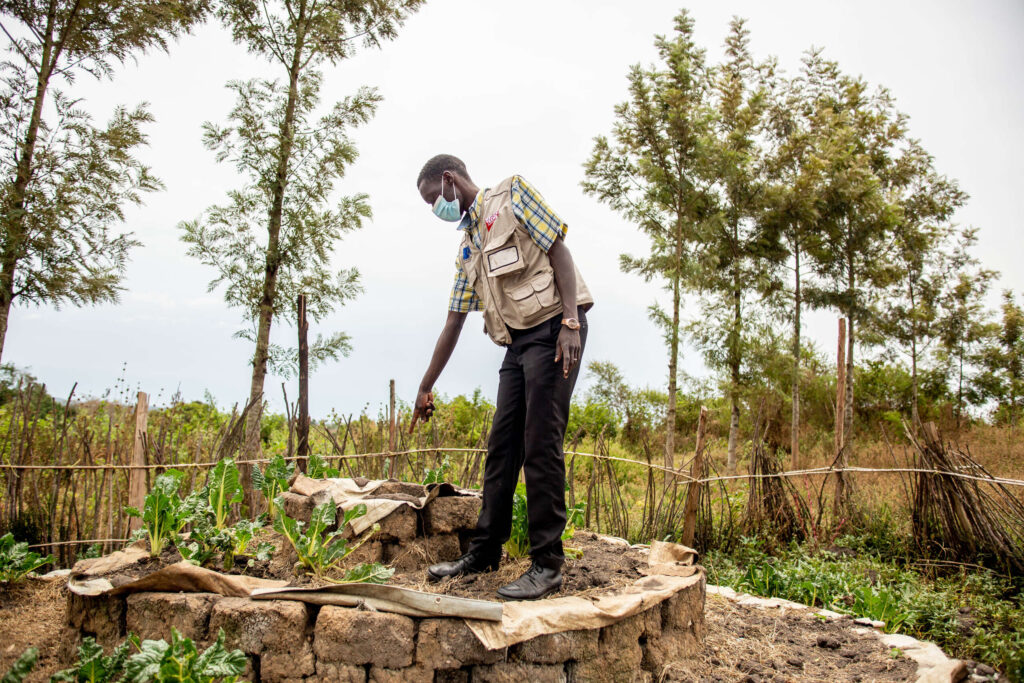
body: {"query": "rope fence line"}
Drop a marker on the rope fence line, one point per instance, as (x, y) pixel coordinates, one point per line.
(676, 472)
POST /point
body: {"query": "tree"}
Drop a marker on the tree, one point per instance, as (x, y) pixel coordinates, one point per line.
(292, 160)
(908, 321)
(734, 251)
(1002, 379)
(653, 173)
(64, 182)
(850, 251)
(964, 325)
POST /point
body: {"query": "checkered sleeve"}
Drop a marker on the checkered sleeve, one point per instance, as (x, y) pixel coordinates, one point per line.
(536, 215)
(463, 298)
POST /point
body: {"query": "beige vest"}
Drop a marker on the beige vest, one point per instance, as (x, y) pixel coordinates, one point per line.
(511, 274)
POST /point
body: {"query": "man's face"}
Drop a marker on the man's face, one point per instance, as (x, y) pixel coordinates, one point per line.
(430, 189)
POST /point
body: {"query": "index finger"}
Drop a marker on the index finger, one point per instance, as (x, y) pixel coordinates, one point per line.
(415, 416)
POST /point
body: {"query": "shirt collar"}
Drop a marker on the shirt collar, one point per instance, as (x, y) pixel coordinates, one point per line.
(473, 215)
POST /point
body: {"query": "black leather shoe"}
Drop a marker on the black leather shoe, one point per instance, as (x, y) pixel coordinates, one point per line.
(537, 582)
(469, 563)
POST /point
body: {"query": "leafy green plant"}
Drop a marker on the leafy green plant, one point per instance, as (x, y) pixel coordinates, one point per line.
(317, 468)
(273, 480)
(518, 543)
(95, 667)
(442, 473)
(179, 660)
(22, 666)
(163, 514)
(91, 552)
(321, 551)
(880, 604)
(223, 489)
(155, 661)
(17, 561)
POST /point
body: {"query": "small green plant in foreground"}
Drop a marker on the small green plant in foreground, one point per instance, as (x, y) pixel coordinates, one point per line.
(273, 480)
(321, 551)
(163, 515)
(22, 666)
(17, 561)
(155, 660)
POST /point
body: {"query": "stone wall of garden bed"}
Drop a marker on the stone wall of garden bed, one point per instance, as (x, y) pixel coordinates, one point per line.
(289, 641)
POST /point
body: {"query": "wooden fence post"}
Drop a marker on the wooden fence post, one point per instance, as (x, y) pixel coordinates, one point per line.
(839, 504)
(137, 475)
(392, 425)
(693, 488)
(302, 429)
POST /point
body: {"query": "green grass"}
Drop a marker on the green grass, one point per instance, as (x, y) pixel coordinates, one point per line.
(971, 614)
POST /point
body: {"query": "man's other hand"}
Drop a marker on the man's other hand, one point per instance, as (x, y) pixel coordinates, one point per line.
(423, 409)
(568, 349)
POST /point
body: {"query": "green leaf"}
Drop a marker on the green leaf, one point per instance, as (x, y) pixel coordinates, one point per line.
(22, 666)
(144, 665)
(372, 572)
(218, 662)
(224, 490)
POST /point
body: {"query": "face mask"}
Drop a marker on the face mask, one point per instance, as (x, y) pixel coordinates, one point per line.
(447, 210)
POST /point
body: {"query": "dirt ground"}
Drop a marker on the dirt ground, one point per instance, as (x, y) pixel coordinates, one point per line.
(743, 643)
(603, 566)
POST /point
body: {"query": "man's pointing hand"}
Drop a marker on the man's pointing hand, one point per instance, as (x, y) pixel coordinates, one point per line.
(423, 409)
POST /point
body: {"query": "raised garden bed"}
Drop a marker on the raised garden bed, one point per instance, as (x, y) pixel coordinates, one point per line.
(631, 626)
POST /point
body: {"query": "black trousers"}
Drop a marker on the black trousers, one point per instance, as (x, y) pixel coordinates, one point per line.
(527, 434)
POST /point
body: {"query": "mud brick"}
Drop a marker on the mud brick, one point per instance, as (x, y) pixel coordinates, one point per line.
(151, 615)
(450, 644)
(618, 654)
(685, 608)
(102, 617)
(451, 514)
(421, 552)
(652, 621)
(451, 676)
(256, 626)
(668, 650)
(400, 525)
(401, 488)
(340, 673)
(297, 506)
(410, 674)
(556, 647)
(514, 672)
(281, 667)
(352, 636)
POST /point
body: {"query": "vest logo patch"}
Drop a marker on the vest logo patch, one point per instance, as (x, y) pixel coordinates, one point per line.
(465, 253)
(503, 257)
(490, 220)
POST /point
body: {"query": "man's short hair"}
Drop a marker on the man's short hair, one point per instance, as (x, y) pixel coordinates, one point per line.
(438, 165)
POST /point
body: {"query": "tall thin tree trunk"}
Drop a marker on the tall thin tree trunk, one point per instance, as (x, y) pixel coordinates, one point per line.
(13, 219)
(851, 293)
(794, 438)
(914, 414)
(734, 378)
(673, 362)
(252, 448)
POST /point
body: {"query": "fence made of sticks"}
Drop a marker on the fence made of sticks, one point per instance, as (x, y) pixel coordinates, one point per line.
(67, 476)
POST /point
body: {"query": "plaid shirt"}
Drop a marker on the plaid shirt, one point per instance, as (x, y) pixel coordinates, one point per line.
(540, 221)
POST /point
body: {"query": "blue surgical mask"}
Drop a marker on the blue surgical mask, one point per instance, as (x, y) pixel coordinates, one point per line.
(447, 210)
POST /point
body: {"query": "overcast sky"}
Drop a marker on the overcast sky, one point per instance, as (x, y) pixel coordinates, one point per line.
(510, 88)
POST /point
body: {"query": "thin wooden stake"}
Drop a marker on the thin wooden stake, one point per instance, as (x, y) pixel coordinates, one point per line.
(137, 475)
(693, 488)
(391, 430)
(303, 427)
(839, 503)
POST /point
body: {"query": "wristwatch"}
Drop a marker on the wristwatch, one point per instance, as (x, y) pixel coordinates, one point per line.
(571, 323)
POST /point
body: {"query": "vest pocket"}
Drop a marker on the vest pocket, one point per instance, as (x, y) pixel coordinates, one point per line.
(534, 295)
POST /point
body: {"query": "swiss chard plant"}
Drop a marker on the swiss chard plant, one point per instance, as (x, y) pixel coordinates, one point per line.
(180, 660)
(318, 468)
(22, 667)
(273, 480)
(155, 661)
(163, 514)
(320, 551)
(17, 561)
(518, 543)
(223, 489)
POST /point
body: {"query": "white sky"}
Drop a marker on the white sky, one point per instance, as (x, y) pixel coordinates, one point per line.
(510, 88)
